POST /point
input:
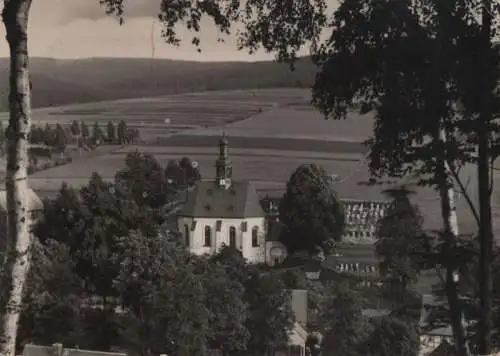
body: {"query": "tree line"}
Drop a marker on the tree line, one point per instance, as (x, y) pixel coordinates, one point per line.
(115, 133)
(106, 273)
(58, 136)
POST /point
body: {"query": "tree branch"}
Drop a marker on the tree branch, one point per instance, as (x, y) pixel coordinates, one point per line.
(463, 190)
(492, 183)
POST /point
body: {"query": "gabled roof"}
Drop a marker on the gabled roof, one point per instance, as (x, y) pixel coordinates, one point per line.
(208, 200)
(298, 335)
(38, 350)
(444, 349)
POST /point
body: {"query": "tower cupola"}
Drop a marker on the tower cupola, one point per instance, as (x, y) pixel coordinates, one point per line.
(224, 168)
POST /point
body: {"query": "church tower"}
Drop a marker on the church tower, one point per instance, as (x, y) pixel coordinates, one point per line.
(224, 168)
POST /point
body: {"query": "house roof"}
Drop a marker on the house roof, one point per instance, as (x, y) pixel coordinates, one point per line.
(375, 313)
(38, 350)
(298, 335)
(207, 200)
(444, 349)
(35, 201)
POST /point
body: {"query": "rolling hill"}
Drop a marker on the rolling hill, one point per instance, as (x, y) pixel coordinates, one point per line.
(59, 82)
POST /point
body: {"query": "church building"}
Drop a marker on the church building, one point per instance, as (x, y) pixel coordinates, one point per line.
(224, 212)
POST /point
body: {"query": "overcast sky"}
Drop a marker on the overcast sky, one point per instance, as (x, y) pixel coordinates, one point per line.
(80, 29)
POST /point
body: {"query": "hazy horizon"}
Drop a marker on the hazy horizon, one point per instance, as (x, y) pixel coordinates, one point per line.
(251, 59)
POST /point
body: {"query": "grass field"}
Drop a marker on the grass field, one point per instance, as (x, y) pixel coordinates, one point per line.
(285, 122)
(254, 165)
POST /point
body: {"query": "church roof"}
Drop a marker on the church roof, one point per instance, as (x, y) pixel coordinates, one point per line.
(207, 200)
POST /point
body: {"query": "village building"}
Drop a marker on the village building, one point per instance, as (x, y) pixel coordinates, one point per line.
(433, 339)
(58, 349)
(297, 337)
(224, 212)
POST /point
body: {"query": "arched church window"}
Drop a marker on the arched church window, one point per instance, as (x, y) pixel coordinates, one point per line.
(208, 236)
(186, 235)
(232, 236)
(255, 236)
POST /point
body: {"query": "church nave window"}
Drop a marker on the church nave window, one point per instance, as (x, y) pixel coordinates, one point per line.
(255, 236)
(232, 237)
(208, 236)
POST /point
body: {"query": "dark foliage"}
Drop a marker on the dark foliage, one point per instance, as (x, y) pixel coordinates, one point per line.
(310, 211)
(402, 244)
(393, 337)
(143, 179)
(344, 327)
(183, 173)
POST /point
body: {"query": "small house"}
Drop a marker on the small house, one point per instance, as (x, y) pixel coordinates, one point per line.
(58, 349)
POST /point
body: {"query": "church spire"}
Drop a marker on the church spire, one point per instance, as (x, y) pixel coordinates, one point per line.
(223, 164)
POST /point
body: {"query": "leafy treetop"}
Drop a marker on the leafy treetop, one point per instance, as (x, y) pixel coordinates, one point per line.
(311, 213)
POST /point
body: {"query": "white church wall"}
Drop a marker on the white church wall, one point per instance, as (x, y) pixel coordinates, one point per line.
(243, 239)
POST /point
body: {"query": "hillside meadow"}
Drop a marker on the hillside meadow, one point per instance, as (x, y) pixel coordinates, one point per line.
(59, 82)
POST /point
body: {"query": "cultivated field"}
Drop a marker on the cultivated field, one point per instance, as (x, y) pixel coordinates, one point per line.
(277, 115)
(184, 111)
(271, 132)
(197, 110)
(290, 123)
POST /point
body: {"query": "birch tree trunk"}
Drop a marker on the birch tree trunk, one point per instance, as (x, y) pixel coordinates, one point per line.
(451, 232)
(15, 18)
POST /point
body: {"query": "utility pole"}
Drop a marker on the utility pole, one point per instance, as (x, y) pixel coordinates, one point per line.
(485, 228)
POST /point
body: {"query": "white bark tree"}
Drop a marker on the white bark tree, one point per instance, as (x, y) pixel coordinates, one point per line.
(18, 247)
(15, 16)
(445, 174)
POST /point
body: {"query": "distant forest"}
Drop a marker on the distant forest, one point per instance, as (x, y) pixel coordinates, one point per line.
(59, 82)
